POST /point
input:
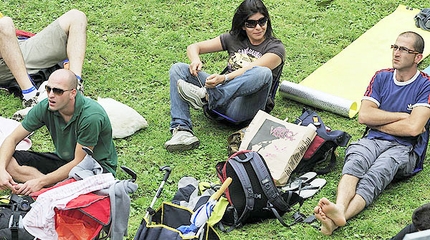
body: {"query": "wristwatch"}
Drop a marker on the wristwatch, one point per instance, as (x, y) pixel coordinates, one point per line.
(225, 79)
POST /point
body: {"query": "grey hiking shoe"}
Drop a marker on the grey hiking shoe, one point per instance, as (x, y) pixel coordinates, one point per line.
(196, 96)
(181, 141)
(30, 102)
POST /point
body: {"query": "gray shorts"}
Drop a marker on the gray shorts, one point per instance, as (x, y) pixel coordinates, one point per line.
(43, 50)
(376, 163)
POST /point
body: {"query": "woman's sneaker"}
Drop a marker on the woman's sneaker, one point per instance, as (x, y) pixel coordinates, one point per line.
(181, 141)
(196, 96)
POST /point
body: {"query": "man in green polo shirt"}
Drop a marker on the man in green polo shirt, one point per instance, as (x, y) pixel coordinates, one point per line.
(73, 122)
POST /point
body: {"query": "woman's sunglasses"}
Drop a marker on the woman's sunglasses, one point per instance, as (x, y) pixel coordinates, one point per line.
(56, 91)
(253, 23)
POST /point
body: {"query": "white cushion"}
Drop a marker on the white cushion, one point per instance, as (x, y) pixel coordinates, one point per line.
(125, 120)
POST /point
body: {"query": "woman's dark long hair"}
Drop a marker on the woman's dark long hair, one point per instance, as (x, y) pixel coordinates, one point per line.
(245, 10)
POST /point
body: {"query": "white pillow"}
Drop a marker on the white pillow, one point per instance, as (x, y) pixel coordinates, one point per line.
(124, 120)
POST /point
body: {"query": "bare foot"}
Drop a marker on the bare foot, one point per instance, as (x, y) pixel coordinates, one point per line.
(332, 211)
(327, 225)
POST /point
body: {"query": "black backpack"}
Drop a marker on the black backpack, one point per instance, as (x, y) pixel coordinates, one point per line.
(252, 194)
(11, 215)
(320, 156)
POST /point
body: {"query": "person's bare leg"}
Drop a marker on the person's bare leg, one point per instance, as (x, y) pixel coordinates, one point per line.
(327, 225)
(11, 53)
(345, 194)
(22, 173)
(356, 205)
(74, 24)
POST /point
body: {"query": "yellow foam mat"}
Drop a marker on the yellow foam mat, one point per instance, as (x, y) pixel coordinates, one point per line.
(347, 75)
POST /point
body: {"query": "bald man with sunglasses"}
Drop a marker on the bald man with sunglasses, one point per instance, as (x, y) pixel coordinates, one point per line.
(73, 122)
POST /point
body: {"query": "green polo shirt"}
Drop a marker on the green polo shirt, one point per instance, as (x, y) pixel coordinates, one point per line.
(89, 126)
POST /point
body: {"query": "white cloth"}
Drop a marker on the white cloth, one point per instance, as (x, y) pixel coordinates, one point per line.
(6, 128)
(40, 220)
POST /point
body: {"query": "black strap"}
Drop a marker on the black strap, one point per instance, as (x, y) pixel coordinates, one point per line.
(298, 217)
(246, 185)
(14, 223)
(266, 182)
(277, 215)
(365, 132)
(331, 164)
(236, 223)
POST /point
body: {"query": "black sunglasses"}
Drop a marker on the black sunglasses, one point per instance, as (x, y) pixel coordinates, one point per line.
(403, 49)
(253, 23)
(56, 91)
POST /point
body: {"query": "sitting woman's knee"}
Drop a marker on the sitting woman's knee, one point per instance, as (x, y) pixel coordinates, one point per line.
(262, 73)
(178, 68)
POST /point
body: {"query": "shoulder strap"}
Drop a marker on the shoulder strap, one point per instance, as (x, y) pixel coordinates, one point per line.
(15, 223)
(331, 164)
(246, 185)
(266, 182)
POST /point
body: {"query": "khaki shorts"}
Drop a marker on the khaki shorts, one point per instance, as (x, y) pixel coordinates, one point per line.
(43, 50)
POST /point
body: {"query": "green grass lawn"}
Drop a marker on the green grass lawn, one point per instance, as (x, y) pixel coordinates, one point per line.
(131, 46)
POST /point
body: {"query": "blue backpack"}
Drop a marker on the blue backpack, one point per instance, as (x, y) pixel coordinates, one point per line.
(320, 157)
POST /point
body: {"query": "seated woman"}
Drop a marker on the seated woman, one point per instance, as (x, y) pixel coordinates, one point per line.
(256, 58)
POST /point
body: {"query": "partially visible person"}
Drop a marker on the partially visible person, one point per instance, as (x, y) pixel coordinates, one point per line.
(420, 222)
(73, 121)
(65, 38)
(396, 108)
(256, 57)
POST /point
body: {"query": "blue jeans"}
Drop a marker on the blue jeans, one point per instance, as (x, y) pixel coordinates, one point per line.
(239, 99)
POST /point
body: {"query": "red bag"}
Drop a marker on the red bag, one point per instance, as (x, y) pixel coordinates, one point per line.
(83, 217)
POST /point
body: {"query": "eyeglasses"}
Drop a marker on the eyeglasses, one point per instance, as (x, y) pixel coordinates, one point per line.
(56, 91)
(403, 49)
(253, 23)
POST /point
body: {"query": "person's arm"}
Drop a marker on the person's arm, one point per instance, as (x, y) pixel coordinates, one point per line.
(269, 60)
(54, 177)
(371, 116)
(6, 151)
(194, 50)
(394, 123)
(413, 125)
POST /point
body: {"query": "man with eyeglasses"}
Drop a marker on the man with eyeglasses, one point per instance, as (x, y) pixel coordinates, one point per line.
(396, 110)
(65, 38)
(74, 122)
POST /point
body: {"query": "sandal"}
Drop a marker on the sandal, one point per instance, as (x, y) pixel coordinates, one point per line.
(310, 189)
(305, 178)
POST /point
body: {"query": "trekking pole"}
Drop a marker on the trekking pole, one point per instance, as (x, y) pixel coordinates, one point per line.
(150, 210)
